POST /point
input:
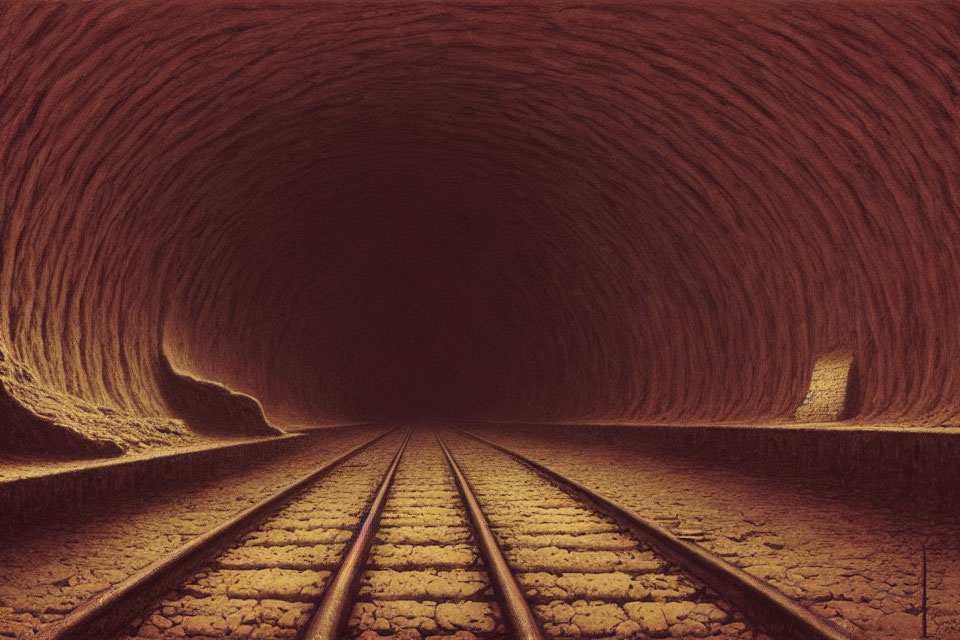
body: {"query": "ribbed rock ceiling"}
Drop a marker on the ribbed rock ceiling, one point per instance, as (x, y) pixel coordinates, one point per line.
(651, 211)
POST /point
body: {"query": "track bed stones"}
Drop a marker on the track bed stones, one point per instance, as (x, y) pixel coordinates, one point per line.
(425, 577)
(581, 573)
(49, 569)
(585, 575)
(267, 585)
(796, 534)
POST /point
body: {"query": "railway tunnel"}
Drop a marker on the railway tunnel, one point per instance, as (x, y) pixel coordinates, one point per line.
(699, 260)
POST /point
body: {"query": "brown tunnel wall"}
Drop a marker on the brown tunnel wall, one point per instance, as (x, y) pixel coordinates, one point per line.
(651, 211)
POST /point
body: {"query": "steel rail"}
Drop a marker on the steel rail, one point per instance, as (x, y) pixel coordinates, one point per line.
(331, 615)
(515, 607)
(109, 612)
(773, 611)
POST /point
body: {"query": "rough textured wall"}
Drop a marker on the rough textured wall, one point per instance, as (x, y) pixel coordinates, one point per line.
(550, 210)
(829, 396)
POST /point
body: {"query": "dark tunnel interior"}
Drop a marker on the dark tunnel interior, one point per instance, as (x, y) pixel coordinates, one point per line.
(557, 211)
(479, 320)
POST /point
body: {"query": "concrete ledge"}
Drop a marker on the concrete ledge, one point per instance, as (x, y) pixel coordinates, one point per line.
(924, 460)
(74, 489)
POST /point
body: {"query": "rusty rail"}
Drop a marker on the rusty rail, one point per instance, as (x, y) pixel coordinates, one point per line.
(515, 606)
(770, 609)
(109, 612)
(331, 615)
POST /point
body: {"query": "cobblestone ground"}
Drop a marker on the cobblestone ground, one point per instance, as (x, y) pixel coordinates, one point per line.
(425, 577)
(587, 577)
(267, 585)
(48, 570)
(835, 550)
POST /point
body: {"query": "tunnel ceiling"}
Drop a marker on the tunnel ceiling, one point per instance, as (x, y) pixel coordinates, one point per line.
(653, 211)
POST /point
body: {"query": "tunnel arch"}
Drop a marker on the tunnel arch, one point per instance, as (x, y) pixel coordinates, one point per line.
(544, 211)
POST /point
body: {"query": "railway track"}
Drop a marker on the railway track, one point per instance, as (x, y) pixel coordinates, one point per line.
(423, 535)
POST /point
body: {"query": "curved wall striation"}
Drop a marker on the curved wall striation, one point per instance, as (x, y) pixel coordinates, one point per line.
(659, 211)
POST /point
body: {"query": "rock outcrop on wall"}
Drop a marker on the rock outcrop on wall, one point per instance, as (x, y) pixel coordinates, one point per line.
(652, 211)
(832, 389)
(210, 408)
(37, 419)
